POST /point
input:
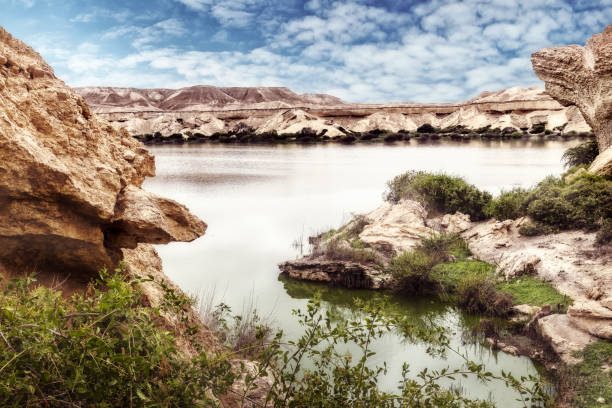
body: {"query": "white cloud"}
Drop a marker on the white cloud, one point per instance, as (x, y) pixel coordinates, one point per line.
(441, 50)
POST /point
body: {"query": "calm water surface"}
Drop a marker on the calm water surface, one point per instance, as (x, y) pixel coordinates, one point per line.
(258, 199)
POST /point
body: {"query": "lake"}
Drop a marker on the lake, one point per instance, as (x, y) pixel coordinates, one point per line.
(257, 200)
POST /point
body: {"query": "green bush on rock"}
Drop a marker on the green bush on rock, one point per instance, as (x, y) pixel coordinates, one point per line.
(439, 192)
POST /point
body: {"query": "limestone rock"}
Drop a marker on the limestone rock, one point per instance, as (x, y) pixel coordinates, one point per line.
(70, 184)
(582, 76)
(455, 223)
(347, 274)
(400, 225)
(207, 109)
(602, 163)
(564, 337)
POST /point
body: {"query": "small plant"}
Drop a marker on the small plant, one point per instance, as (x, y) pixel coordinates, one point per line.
(583, 154)
(604, 235)
(477, 294)
(412, 270)
(509, 205)
(532, 229)
(426, 128)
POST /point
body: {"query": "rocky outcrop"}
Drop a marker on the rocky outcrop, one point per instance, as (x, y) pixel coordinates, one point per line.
(207, 109)
(70, 184)
(582, 76)
(399, 226)
(342, 273)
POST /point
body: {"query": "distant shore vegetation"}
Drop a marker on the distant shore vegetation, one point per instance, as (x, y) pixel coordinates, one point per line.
(242, 133)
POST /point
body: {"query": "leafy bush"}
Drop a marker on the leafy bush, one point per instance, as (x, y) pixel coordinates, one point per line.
(439, 192)
(426, 128)
(532, 229)
(584, 203)
(477, 294)
(584, 153)
(537, 128)
(412, 270)
(100, 349)
(508, 205)
(604, 235)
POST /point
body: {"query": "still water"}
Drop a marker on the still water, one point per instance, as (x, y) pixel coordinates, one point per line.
(257, 200)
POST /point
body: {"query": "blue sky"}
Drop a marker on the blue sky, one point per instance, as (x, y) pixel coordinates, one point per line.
(358, 50)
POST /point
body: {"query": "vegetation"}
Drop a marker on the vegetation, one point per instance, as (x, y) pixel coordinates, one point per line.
(592, 378)
(533, 291)
(583, 154)
(104, 349)
(243, 133)
(508, 205)
(72, 352)
(344, 244)
(440, 193)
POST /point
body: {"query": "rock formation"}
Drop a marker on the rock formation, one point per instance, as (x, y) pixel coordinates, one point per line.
(70, 184)
(582, 76)
(207, 109)
(568, 260)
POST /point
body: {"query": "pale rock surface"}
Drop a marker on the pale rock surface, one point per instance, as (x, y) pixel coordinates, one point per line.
(602, 163)
(582, 76)
(400, 225)
(563, 336)
(70, 184)
(207, 109)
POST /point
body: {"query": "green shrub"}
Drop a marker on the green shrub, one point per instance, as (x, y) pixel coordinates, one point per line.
(426, 128)
(584, 153)
(584, 203)
(477, 294)
(440, 246)
(509, 205)
(537, 128)
(100, 350)
(439, 192)
(412, 270)
(604, 235)
(532, 229)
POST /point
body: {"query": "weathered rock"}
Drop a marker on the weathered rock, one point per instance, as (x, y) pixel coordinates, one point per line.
(208, 109)
(347, 274)
(400, 225)
(593, 317)
(582, 76)
(70, 195)
(564, 337)
(602, 163)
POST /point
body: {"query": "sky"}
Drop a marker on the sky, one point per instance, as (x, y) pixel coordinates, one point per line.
(358, 50)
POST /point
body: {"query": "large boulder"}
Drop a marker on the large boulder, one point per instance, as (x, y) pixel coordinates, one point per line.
(582, 76)
(70, 184)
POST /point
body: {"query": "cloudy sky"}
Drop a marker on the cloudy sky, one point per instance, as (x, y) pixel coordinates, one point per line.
(359, 50)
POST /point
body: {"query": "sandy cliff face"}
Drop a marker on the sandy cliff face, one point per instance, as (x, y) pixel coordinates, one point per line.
(582, 76)
(207, 109)
(70, 184)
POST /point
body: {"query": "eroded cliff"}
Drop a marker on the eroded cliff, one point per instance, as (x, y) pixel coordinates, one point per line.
(582, 76)
(70, 184)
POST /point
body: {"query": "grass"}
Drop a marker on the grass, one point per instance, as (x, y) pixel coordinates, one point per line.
(532, 291)
(590, 381)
